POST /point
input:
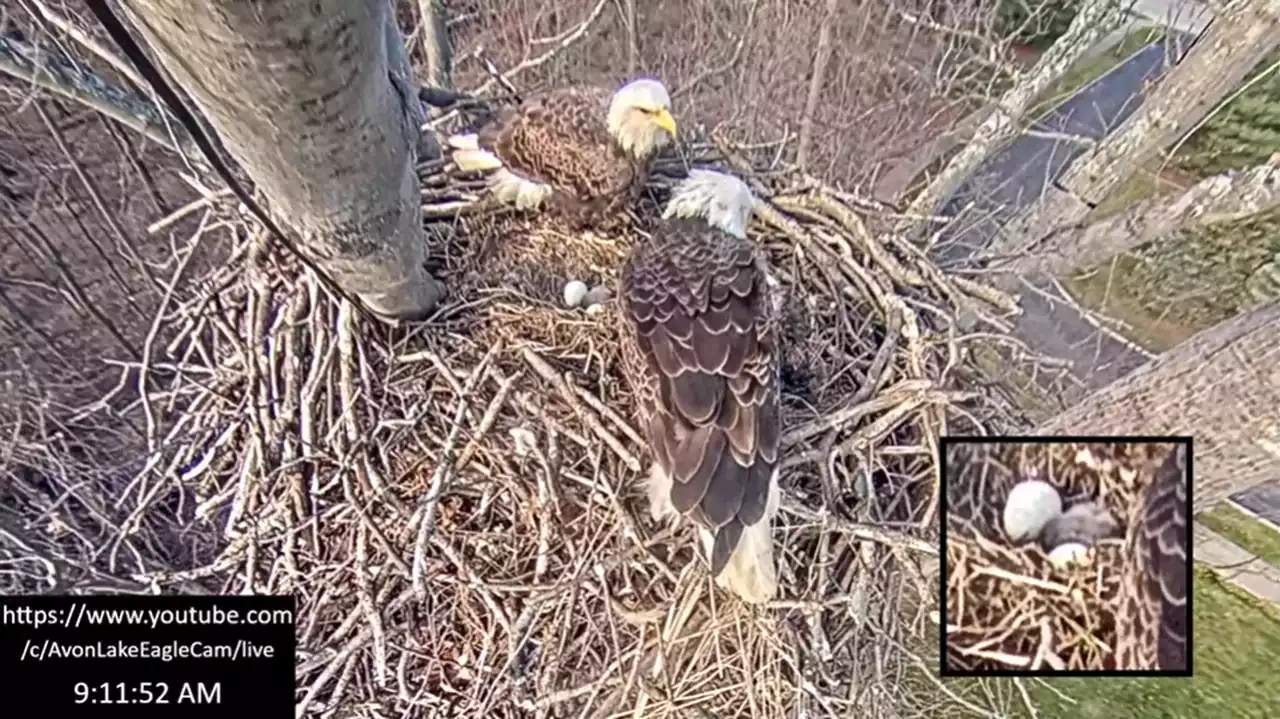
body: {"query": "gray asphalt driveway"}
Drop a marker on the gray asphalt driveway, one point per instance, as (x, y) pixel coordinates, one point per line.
(1017, 177)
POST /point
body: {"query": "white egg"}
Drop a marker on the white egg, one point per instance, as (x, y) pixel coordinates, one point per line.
(1030, 506)
(594, 309)
(574, 292)
(1064, 555)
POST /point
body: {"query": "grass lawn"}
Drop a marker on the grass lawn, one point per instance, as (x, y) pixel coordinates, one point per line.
(1109, 290)
(1236, 646)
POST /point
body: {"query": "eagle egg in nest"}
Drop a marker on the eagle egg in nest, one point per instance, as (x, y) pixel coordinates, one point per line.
(575, 291)
(1031, 505)
(1064, 555)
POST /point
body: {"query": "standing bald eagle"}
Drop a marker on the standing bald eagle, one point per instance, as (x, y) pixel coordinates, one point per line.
(698, 315)
(580, 149)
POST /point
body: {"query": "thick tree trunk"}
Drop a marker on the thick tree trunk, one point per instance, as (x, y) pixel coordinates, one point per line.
(1222, 387)
(315, 101)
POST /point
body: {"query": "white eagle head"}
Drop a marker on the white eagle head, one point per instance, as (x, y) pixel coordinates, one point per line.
(640, 117)
(723, 200)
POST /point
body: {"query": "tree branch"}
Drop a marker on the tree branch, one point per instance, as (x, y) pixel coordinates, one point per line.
(1222, 198)
(77, 33)
(891, 186)
(54, 72)
(436, 45)
(820, 59)
(1095, 19)
(1244, 32)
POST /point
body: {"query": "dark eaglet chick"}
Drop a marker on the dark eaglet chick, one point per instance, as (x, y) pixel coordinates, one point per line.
(698, 313)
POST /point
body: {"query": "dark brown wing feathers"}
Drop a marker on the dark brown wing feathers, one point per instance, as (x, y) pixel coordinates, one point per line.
(561, 139)
(1164, 535)
(705, 373)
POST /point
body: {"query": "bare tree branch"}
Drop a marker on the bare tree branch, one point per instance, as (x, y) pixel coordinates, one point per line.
(53, 72)
(820, 59)
(1095, 19)
(891, 186)
(1244, 32)
(436, 45)
(77, 33)
(1222, 198)
(633, 43)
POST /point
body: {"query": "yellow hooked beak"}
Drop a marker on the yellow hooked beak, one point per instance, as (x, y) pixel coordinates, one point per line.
(663, 119)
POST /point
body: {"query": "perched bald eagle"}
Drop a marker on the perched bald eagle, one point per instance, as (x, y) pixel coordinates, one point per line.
(582, 150)
(698, 314)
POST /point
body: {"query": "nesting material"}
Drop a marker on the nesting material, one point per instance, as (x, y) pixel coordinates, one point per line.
(456, 503)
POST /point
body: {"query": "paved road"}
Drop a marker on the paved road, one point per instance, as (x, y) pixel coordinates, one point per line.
(1262, 500)
(1016, 177)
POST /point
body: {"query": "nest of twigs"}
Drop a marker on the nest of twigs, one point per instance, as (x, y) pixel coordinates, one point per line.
(1008, 606)
(454, 503)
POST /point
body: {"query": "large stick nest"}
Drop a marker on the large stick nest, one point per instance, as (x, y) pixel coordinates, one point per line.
(454, 505)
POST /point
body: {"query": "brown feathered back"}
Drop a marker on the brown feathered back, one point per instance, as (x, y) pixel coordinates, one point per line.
(1155, 600)
(700, 354)
(561, 139)
(1163, 545)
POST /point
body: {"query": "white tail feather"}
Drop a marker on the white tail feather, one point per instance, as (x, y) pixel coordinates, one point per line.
(659, 487)
(750, 572)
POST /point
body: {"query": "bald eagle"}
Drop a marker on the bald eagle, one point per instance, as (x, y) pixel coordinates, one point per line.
(1154, 599)
(583, 150)
(698, 318)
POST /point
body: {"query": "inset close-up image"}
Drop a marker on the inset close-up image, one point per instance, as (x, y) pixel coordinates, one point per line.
(1066, 555)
